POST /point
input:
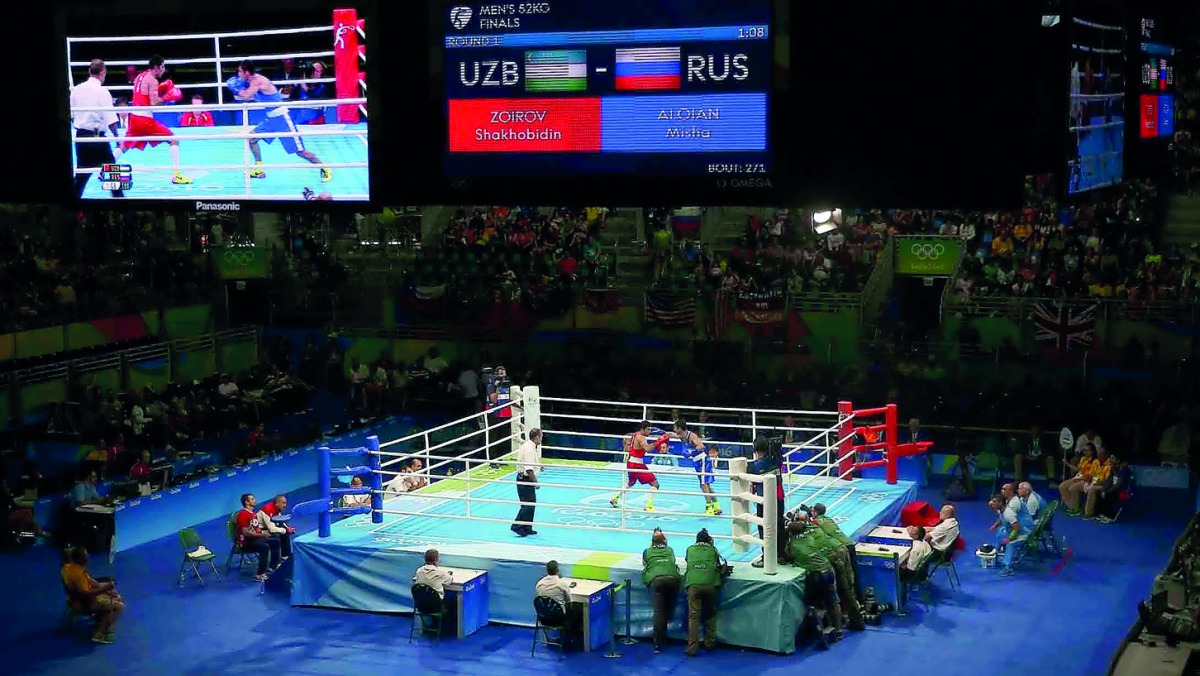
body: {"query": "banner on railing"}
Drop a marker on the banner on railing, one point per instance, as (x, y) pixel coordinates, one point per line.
(242, 263)
(672, 310)
(927, 256)
(761, 308)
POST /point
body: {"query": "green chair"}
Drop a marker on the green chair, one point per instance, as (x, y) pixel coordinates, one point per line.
(550, 629)
(921, 583)
(987, 468)
(72, 617)
(194, 554)
(429, 610)
(231, 529)
(945, 559)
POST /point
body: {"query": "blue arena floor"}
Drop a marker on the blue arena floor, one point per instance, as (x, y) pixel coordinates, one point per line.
(1036, 622)
(230, 184)
(562, 511)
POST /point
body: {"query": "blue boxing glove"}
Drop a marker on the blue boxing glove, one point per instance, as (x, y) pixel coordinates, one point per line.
(236, 84)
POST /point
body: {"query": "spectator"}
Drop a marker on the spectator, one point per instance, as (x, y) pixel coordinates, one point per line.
(1034, 454)
(660, 573)
(253, 540)
(196, 118)
(317, 90)
(142, 469)
(90, 595)
(1101, 481)
(288, 73)
(702, 584)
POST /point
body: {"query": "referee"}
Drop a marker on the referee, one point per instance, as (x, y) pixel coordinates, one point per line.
(529, 461)
(92, 124)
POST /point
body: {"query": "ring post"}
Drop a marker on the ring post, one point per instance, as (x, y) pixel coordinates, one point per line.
(325, 479)
(516, 418)
(845, 461)
(739, 486)
(373, 461)
(770, 525)
(890, 418)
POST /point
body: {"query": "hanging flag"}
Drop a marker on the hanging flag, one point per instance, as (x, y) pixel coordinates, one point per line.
(1066, 326)
(723, 314)
(687, 219)
(561, 70)
(674, 310)
(761, 308)
(648, 69)
(601, 300)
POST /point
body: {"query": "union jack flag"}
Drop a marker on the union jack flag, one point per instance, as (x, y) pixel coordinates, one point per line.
(1066, 326)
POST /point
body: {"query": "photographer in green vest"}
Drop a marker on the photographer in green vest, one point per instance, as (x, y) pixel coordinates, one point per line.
(660, 572)
(830, 528)
(701, 582)
(821, 582)
(835, 552)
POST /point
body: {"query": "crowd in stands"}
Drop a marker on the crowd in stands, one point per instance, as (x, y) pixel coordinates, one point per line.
(1187, 121)
(57, 267)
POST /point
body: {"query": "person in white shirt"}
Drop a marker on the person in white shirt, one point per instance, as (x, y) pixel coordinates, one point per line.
(1088, 437)
(93, 124)
(945, 534)
(434, 362)
(401, 483)
(433, 576)
(911, 561)
(553, 586)
(356, 500)
(1030, 499)
(267, 525)
(529, 464)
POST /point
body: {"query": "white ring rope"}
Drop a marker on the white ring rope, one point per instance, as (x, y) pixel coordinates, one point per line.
(688, 407)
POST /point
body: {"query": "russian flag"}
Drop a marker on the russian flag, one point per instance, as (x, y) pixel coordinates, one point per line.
(648, 69)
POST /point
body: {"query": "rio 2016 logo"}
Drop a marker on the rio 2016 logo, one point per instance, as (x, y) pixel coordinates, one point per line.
(460, 16)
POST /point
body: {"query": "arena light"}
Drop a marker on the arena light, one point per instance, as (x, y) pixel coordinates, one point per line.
(822, 217)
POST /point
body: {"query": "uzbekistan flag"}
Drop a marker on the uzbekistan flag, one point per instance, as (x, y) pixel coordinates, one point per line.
(556, 71)
(648, 68)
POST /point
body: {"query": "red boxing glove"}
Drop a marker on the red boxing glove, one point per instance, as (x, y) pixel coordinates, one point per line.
(165, 86)
(662, 442)
(172, 95)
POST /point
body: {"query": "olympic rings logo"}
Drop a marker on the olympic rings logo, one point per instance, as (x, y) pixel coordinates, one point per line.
(872, 498)
(239, 257)
(928, 252)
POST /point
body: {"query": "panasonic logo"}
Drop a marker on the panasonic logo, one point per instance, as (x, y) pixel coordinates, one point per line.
(218, 206)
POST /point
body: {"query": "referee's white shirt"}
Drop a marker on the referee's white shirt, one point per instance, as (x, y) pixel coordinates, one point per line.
(529, 457)
(91, 94)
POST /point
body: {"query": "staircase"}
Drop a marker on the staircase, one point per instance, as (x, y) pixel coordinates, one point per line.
(1183, 221)
(623, 235)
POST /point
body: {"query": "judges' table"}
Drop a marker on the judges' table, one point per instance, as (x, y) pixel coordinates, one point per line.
(596, 598)
(470, 592)
(879, 567)
(888, 535)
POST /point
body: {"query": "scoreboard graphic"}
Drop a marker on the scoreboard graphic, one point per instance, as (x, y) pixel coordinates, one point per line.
(665, 87)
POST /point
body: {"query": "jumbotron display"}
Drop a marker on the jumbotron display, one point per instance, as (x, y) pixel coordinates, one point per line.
(660, 87)
(239, 108)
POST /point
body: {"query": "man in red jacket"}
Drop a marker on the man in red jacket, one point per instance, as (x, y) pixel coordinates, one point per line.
(196, 118)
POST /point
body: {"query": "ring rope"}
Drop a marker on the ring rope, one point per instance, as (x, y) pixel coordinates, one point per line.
(205, 36)
(689, 407)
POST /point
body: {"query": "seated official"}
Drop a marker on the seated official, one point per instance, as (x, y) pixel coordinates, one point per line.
(437, 578)
(401, 482)
(88, 595)
(142, 469)
(943, 536)
(1083, 466)
(84, 492)
(356, 500)
(266, 517)
(821, 581)
(554, 586)
(660, 572)
(252, 539)
(912, 560)
(702, 583)
(1101, 481)
(418, 479)
(1121, 481)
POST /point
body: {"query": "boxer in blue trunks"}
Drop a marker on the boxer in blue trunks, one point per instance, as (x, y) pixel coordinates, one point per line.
(250, 85)
(704, 461)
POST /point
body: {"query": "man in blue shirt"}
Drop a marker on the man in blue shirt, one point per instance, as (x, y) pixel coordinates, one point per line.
(84, 492)
(249, 85)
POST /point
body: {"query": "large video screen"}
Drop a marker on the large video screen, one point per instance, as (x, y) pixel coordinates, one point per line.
(1096, 117)
(220, 109)
(1156, 101)
(640, 87)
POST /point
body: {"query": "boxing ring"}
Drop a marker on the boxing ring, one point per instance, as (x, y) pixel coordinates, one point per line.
(218, 158)
(365, 561)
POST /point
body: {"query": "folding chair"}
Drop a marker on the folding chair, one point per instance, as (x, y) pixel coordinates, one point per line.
(194, 554)
(429, 609)
(231, 529)
(551, 626)
(919, 583)
(945, 559)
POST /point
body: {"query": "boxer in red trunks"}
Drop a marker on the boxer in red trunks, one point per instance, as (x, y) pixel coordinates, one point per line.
(148, 90)
(635, 464)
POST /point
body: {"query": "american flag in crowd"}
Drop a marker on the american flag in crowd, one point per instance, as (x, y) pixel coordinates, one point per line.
(670, 309)
(1067, 326)
(725, 313)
